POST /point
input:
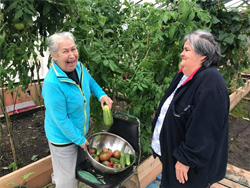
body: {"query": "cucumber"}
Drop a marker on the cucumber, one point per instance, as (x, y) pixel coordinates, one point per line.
(114, 160)
(122, 161)
(88, 176)
(98, 151)
(107, 116)
(127, 159)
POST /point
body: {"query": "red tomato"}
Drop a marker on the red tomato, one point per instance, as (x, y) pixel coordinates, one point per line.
(111, 163)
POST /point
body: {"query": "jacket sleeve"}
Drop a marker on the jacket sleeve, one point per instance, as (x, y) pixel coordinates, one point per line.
(206, 124)
(55, 104)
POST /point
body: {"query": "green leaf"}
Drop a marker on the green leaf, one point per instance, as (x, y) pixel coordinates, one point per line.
(46, 9)
(84, 27)
(34, 157)
(28, 18)
(174, 15)
(144, 63)
(13, 166)
(126, 3)
(184, 9)
(28, 11)
(172, 31)
(102, 20)
(12, 6)
(229, 39)
(98, 43)
(106, 63)
(242, 37)
(236, 18)
(215, 20)
(10, 183)
(18, 14)
(112, 65)
(87, 50)
(165, 17)
(140, 88)
(144, 85)
(26, 176)
(96, 58)
(191, 15)
(204, 16)
(108, 31)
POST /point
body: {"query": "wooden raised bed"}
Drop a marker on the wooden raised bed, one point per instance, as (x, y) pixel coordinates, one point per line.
(20, 101)
(147, 171)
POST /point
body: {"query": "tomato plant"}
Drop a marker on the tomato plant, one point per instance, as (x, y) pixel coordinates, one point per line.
(25, 24)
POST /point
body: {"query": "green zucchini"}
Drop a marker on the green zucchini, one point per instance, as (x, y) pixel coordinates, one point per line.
(107, 116)
(127, 159)
(88, 176)
(98, 151)
(114, 160)
(122, 161)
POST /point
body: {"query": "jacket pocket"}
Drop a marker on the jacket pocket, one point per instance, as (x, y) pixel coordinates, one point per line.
(182, 113)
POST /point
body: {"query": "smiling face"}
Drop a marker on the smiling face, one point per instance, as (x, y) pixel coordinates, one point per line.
(190, 60)
(67, 55)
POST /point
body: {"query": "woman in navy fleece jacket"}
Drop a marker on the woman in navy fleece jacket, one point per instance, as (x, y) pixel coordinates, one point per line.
(190, 128)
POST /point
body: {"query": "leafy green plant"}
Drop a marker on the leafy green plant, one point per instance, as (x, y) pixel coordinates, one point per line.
(12, 166)
(231, 27)
(136, 52)
(24, 26)
(24, 179)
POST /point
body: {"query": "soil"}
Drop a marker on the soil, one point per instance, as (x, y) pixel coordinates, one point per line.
(31, 143)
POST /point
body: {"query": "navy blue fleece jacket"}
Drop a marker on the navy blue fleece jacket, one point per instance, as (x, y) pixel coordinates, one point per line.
(195, 129)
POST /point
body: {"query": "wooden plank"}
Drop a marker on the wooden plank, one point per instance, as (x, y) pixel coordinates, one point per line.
(36, 94)
(238, 175)
(40, 167)
(8, 99)
(23, 111)
(218, 185)
(231, 184)
(149, 170)
(239, 94)
(40, 180)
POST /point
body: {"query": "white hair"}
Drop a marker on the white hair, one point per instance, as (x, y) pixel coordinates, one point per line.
(56, 38)
(204, 43)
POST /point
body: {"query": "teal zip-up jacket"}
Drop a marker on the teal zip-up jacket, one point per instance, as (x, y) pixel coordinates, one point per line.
(67, 104)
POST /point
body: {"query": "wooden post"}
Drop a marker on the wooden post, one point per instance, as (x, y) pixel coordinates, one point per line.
(239, 94)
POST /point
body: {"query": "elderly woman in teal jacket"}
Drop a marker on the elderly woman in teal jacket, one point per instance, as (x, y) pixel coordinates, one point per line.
(66, 90)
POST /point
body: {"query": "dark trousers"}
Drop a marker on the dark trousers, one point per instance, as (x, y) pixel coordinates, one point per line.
(81, 156)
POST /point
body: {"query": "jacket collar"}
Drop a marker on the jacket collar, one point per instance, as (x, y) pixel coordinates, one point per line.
(61, 75)
(190, 77)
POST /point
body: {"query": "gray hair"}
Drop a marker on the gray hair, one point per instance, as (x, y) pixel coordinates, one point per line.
(56, 38)
(204, 44)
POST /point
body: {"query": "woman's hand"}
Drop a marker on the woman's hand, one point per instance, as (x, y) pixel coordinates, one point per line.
(107, 100)
(181, 171)
(84, 146)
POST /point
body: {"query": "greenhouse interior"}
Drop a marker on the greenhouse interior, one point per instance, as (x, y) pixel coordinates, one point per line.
(125, 93)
